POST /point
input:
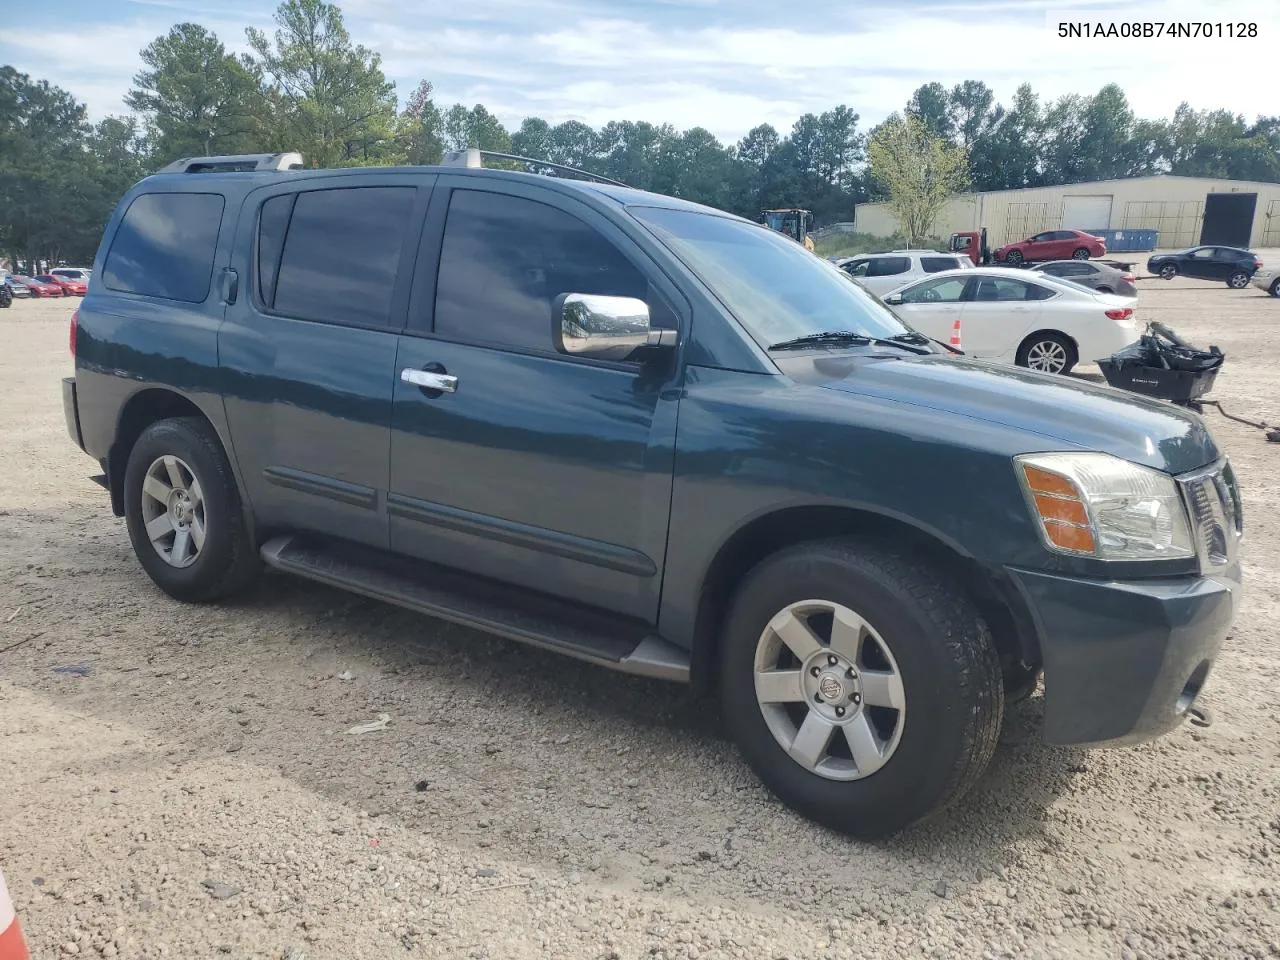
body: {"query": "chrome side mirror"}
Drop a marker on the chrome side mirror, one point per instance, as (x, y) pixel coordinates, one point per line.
(604, 328)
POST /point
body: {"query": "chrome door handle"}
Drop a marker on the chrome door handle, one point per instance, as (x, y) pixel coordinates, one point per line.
(429, 380)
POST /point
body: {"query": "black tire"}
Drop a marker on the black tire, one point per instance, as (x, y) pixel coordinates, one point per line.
(948, 665)
(1013, 256)
(1080, 253)
(1238, 280)
(227, 561)
(1029, 345)
(1275, 287)
(1168, 271)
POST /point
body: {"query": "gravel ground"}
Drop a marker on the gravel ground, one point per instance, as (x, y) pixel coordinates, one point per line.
(188, 788)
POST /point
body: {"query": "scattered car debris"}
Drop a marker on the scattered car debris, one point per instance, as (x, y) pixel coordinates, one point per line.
(372, 726)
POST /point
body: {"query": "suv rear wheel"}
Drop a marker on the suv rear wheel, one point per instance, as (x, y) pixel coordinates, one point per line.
(183, 512)
(861, 685)
(1238, 280)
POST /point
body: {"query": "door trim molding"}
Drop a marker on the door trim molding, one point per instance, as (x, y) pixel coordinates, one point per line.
(354, 494)
(582, 549)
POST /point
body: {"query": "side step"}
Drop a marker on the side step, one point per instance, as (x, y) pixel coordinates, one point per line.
(495, 608)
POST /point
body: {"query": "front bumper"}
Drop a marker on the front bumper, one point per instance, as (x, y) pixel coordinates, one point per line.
(1264, 279)
(1124, 660)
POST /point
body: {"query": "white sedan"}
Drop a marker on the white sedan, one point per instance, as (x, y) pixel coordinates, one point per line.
(1015, 316)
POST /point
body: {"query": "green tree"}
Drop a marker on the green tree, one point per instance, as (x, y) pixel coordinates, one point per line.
(1010, 154)
(932, 104)
(336, 105)
(476, 127)
(533, 139)
(195, 98)
(419, 128)
(970, 108)
(919, 169)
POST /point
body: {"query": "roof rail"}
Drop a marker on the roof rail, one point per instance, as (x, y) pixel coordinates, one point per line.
(236, 163)
(474, 158)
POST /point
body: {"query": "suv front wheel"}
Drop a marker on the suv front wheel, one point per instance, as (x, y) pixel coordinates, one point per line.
(861, 685)
(183, 512)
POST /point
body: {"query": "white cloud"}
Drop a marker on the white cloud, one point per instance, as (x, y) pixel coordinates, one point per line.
(723, 66)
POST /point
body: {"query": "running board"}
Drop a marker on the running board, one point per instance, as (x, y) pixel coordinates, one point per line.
(494, 608)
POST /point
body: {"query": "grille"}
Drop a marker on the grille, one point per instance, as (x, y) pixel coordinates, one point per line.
(1216, 515)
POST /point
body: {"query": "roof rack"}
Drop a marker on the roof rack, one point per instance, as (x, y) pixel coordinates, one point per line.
(474, 158)
(241, 163)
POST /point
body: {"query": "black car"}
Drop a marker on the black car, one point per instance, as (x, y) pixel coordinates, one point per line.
(1232, 265)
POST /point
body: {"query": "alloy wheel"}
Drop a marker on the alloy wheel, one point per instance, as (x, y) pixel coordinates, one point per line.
(829, 690)
(173, 511)
(1047, 355)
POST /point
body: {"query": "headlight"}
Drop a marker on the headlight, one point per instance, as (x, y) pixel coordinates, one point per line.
(1097, 505)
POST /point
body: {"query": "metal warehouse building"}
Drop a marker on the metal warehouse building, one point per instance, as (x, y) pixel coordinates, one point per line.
(1184, 210)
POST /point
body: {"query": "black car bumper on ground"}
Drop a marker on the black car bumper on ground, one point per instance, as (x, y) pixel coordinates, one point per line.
(1125, 660)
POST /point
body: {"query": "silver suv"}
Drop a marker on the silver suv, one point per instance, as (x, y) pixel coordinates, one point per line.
(881, 272)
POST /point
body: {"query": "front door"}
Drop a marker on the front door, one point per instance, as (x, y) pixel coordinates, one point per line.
(535, 469)
(933, 306)
(307, 352)
(1207, 263)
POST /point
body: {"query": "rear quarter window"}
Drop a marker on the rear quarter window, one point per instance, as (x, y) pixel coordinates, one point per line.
(164, 246)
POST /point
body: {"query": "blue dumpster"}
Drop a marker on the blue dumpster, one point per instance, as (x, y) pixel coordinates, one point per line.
(1128, 241)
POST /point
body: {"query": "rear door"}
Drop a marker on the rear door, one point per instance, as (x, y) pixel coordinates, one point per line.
(887, 273)
(1000, 312)
(932, 306)
(538, 469)
(307, 351)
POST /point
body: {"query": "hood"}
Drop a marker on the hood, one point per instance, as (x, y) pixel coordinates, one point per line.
(1065, 411)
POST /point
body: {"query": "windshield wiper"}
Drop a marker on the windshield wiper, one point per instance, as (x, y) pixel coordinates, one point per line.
(847, 336)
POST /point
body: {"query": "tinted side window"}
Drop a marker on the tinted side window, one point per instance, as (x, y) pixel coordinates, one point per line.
(888, 266)
(993, 288)
(945, 290)
(272, 222)
(341, 254)
(858, 268)
(165, 246)
(504, 260)
(938, 264)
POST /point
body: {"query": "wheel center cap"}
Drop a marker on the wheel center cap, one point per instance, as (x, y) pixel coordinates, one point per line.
(831, 687)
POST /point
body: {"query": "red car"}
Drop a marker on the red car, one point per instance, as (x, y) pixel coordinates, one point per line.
(1053, 245)
(38, 287)
(70, 288)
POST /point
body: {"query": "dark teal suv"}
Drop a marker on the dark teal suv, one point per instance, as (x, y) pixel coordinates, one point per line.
(656, 437)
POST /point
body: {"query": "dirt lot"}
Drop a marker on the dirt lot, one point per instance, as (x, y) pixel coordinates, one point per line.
(188, 789)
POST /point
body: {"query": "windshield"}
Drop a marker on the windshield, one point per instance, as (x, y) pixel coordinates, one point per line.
(775, 288)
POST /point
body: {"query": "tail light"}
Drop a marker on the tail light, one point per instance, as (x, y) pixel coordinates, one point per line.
(1257, 264)
(1128, 278)
(1120, 313)
(75, 323)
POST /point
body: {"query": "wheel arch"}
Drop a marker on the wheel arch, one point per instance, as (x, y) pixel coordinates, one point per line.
(1049, 331)
(997, 598)
(147, 406)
